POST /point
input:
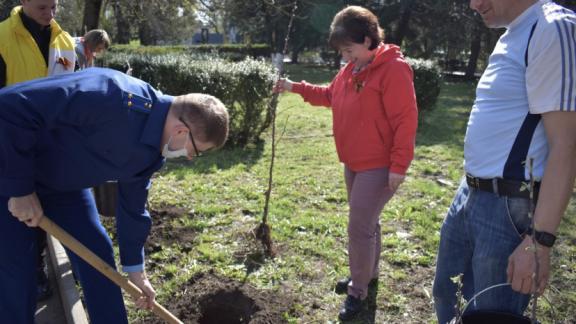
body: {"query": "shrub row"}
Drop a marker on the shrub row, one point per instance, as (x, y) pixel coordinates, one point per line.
(427, 74)
(427, 82)
(233, 52)
(244, 87)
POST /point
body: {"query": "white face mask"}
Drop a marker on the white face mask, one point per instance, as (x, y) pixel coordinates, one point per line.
(169, 154)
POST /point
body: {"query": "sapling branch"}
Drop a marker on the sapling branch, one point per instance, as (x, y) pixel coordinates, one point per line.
(263, 230)
(536, 274)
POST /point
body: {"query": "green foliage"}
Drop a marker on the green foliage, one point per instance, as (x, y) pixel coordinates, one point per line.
(6, 7)
(135, 48)
(244, 87)
(233, 52)
(427, 82)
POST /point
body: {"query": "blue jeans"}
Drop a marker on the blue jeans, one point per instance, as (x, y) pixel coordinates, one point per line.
(480, 232)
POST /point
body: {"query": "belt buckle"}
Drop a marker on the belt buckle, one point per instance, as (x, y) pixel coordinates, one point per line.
(473, 181)
(476, 182)
(496, 186)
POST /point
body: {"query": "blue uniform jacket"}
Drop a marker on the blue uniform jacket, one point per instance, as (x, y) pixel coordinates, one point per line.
(79, 130)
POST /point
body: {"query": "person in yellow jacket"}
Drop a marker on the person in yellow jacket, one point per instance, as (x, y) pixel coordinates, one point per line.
(32, 45)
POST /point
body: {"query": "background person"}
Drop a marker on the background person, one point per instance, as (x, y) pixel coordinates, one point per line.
(88, 47)
(32, 44)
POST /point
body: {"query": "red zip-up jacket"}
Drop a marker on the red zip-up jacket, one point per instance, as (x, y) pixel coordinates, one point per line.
(374, 112)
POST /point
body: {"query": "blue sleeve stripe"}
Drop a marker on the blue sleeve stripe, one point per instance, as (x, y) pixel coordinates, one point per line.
(573, 67)
(571, 53)
(133, 268)
(567, 36)
(559, 29)
(571, 63)
(563, 50)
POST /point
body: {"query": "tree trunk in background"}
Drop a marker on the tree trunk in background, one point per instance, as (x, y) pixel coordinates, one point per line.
(145, 18)
(336, 62)
(146, 33)
(91, 14)
(296, 53)
(122, 24)
(6, 6)
(475, 47)
(270, 33)
(403, 23)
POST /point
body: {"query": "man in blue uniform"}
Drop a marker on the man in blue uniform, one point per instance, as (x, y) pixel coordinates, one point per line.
(63, 134)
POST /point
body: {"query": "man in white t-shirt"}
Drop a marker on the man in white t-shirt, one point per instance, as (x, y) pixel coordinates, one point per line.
(525, 110)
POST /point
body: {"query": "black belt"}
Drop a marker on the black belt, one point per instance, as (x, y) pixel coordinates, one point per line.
(503, 187)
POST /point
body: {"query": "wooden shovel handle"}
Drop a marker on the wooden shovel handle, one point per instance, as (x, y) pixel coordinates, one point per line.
(82, 251)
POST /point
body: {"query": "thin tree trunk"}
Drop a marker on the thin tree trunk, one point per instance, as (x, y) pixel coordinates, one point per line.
(295, 54)
(475, 47)
(91, 14)
(336, 61)
(146, 32)
(403, 24)
(122, 24)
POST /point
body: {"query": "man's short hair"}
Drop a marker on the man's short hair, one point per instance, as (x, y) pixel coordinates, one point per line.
(206, 114)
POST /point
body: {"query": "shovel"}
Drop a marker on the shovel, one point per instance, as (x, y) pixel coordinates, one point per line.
(70, 242)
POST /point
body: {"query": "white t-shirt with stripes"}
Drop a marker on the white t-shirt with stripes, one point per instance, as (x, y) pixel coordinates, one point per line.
(531, 71)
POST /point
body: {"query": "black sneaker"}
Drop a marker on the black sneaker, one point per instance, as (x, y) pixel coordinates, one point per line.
(342, 285)
(352, 306)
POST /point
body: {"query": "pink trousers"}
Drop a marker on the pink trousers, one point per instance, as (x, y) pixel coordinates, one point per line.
(368, 192)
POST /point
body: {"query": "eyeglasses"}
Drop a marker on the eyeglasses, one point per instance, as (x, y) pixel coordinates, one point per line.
(198, 153)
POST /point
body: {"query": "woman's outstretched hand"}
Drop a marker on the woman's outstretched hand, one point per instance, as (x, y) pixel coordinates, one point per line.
(282, 85)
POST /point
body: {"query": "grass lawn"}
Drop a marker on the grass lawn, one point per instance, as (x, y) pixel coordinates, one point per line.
(222, 196)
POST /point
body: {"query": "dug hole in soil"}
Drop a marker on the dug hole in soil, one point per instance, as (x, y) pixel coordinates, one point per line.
(208, 298)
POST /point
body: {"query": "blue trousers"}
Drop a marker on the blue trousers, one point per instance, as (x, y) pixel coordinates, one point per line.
(76, 213)
(480, 232)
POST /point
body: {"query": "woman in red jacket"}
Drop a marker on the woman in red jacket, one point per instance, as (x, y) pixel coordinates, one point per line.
(374, 123)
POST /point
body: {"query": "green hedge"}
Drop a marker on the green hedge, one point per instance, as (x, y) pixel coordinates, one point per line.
(233, 52)
(244, 87)
(427, 82)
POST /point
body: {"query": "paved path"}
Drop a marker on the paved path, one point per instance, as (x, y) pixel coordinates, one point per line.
(65, 305)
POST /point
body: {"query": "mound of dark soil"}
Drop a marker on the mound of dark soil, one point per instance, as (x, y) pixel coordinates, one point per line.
(210, 299)
(164, 231)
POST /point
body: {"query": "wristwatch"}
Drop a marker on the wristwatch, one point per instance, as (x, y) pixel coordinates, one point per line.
(543, 238)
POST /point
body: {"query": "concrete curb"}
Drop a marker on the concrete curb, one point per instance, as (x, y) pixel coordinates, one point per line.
(71, 302)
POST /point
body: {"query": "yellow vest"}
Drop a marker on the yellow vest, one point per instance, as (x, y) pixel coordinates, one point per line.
(23, 58)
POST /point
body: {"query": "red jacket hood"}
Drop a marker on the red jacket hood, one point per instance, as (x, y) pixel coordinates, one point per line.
(385, 53)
